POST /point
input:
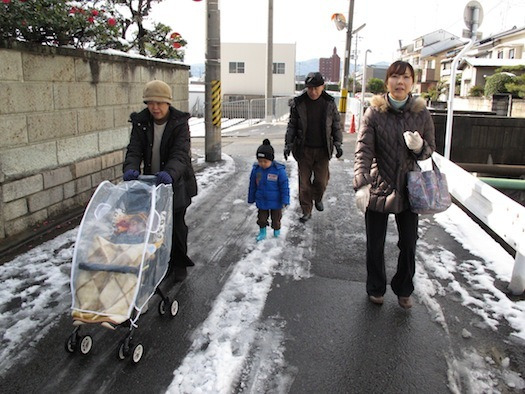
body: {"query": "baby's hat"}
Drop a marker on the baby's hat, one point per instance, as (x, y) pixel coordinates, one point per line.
(265, 151)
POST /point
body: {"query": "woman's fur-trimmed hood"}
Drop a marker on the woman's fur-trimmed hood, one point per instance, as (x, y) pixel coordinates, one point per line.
(380, 101)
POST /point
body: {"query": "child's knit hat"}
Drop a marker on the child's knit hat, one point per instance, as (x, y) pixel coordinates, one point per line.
(265, 151)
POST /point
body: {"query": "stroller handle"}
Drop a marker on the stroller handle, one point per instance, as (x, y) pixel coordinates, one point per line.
(150, 179)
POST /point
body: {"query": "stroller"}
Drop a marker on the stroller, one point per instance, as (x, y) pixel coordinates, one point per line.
(120, 258)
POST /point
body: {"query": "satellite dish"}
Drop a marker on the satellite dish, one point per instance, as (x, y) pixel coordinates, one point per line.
(340, 21)
(473, 10)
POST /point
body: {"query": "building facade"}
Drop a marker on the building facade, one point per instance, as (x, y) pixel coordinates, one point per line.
(243, 70)
(330, 67)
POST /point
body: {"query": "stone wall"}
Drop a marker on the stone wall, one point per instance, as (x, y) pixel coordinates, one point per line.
(64, 125)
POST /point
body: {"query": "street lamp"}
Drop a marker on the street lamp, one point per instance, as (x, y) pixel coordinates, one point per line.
(363, 89)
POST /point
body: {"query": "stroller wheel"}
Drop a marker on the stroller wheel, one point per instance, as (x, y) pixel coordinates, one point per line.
(174, 308)
(71, 342)
(162, 306)
(138, 352)
(86, 343)
(123, 350)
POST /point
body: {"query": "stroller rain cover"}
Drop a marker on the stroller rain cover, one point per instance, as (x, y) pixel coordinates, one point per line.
(122, 250)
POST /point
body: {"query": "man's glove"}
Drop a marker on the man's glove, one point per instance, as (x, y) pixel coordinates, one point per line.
(130, 175)
(287, 150)
(339, 152)
(413, 141)
(163, 177)
(362, 198)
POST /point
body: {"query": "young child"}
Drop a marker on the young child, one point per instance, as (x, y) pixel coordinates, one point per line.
(268, 190)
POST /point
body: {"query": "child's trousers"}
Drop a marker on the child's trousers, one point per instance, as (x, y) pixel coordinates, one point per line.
(275, 214)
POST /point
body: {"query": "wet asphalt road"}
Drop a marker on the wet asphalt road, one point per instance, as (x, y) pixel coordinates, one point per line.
(333, 339)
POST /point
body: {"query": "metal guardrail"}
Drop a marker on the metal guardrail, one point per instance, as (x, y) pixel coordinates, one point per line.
(498, 212)
(256, 110)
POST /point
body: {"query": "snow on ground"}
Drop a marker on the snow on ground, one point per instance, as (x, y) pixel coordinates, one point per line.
(476, 373)
(32, 288)
(222, 343)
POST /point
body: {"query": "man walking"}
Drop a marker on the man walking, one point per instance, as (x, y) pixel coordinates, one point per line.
(312, 133)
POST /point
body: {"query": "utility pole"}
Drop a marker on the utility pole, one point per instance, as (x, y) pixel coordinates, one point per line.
(212, 95)
(344, 84)
(269, 60)
(355, 55)
(355, 66)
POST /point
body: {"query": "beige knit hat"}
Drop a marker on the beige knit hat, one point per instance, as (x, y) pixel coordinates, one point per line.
(157, 91)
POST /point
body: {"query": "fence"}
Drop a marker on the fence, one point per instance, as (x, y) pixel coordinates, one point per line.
(256, 110)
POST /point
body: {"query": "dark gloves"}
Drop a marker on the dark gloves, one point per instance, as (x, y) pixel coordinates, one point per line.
(163, 177)
(339, 152)
(287, 150)
(130, 175)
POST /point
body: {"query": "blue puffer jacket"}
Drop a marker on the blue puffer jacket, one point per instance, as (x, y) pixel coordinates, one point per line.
(269, 188)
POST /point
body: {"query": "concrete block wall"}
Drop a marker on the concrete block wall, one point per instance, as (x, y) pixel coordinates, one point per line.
(64, 125)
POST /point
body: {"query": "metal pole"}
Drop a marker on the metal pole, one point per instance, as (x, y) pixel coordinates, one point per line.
(269, 60)
(213, 95)
(355, 66)
(344, 84)
(452, 83)
(363, 89)
(355, 56)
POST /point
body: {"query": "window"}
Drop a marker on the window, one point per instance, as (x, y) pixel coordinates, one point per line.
(236, 67)
(512, 53)
(278, 68)
(500, 54)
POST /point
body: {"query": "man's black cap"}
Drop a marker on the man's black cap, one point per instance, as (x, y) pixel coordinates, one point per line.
(314, 79)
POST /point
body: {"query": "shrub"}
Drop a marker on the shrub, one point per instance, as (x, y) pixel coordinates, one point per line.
(496, 84)
(476, 91)
(376, 86)
(95, 24)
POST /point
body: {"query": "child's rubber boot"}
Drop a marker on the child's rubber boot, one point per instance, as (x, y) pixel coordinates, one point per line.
(276, 233)
(262, 234)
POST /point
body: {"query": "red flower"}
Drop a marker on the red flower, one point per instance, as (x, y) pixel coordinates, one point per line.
(91, 19)
(94, 12)
(6, 1)
(174, 35)
(73, 10)
(112, 21)
(176, 45)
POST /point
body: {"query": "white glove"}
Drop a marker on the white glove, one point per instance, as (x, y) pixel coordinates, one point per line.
(413, 141)
(362, 198)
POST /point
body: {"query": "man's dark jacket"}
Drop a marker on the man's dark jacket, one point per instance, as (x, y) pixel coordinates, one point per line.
(175, 152)
(297, 125)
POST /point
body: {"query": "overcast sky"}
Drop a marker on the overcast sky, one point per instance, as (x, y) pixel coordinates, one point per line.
(308, 23)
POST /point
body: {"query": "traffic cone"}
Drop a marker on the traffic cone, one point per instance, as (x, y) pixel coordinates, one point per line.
(352, 126)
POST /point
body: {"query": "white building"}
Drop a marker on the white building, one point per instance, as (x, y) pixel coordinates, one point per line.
(243, 70)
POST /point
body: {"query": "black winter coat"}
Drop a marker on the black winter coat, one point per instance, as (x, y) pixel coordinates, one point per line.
(175, 151)
(382, 158)
(298, 125)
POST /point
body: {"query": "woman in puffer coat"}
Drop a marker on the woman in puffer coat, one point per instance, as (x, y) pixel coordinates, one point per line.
(397, 130)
